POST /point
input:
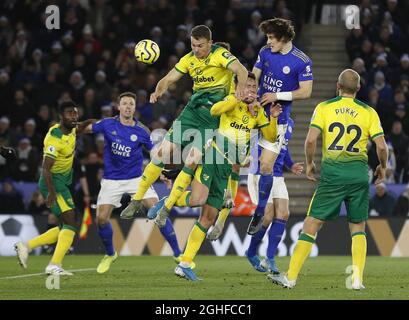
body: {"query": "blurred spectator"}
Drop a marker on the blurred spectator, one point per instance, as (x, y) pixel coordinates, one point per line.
(6, 133)
(11, 200)
(165, 107)
(143, 107)
(390, 166)
(382, 203)
(99, 15)
(20, 110)
(43, 120)
(26, 166)
(37, 204)
(77, 86)
(254, 34)
(30, 133)
(402, 204)
(400, 143)
(103, 90)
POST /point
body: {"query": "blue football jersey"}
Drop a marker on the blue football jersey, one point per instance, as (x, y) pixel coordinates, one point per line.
(282, 73)
(123, 156)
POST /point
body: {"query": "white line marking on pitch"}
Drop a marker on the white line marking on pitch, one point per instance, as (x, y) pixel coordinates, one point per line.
(43, 273)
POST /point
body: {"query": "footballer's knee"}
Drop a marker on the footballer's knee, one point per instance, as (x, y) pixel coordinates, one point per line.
(101, 220)
(197, 199)
(283, 215)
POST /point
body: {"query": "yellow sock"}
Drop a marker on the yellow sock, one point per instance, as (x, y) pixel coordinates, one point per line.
(196, 237)
(65, 239)
(182, 181)
(223, 214)
(183, 201)
(358, 250)
(48, 237)
(233, 184)
(150, 175)
(301, 252)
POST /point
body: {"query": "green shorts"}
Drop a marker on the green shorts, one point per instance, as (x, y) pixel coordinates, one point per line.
(215, 176)
(64, 201)
(327, 199)
(195, 125)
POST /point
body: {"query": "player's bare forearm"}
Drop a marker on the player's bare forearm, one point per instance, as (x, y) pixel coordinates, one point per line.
(304, 91)
(46, 172)
(381, 151)
(85, 126)
(311, 145)
(257, 73)
(241, 72)
(163, 84)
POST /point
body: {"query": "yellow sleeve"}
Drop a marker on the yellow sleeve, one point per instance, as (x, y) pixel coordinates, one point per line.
(317, 119)
(51, 147)
(375, 129)
(262, 119)
(269, 132)
(227, 104)
(183, 65)
(224, 57)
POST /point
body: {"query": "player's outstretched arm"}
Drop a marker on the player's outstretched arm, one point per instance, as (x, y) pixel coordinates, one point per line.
(310, 146)
(382, 152)
(242, 73)
(163, 84)
(303, 92)
(85, 126)
(223, 106)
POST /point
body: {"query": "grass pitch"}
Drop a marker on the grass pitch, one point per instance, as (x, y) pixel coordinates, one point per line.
(230, 277)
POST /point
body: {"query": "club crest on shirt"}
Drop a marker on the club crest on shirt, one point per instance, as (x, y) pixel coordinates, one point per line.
(286, 70)
(134, 137)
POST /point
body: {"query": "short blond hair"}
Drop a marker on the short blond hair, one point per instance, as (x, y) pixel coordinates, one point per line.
(348, 81)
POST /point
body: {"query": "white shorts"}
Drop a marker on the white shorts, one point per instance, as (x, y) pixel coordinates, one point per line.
(274, 146)
(112, 191)
(279, 190)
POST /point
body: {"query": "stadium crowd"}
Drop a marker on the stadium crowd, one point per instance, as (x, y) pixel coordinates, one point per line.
(90, 60)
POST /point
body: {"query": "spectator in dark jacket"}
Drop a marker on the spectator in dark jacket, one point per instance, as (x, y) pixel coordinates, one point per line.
(382, 203)
(402, 204)
(11, 200)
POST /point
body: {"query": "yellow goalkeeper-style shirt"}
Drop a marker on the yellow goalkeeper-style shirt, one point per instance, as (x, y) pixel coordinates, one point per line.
(236, 123)
(211, 72)
(60, 147)
(346, 125)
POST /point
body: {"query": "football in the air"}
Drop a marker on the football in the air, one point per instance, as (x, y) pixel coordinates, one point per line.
(147, 51)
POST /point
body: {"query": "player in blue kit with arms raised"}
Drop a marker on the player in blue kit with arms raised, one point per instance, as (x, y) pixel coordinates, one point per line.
(284, 74)
(124, 138)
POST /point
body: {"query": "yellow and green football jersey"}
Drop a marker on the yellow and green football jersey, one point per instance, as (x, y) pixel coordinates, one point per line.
(346, 125)
(237, 123)
(211, 72)
(235, 128)
(61, 148)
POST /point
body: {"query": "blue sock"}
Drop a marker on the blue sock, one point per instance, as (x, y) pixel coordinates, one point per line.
(169, 233)
(274, 236)
(105, 233)
(255, 241)
(264, 187)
